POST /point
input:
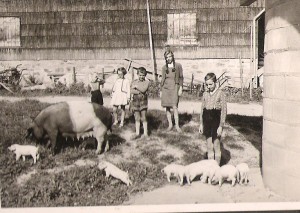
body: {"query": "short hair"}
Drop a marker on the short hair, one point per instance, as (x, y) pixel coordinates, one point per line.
(211, 76)
(142, 70)
(122, 69)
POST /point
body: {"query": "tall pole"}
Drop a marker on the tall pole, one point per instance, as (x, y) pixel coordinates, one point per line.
(251, 61)
(150, 41)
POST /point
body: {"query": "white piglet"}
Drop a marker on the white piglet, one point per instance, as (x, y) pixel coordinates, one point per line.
(176, 170)
(114, 171)
(243, 169)
(209, 173)
(226, 172)
(25, 150)
(198, 168)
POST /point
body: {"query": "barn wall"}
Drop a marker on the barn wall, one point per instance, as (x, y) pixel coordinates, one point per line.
(93, 29)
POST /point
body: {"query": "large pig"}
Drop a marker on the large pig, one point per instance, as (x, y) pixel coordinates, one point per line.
(72, 119)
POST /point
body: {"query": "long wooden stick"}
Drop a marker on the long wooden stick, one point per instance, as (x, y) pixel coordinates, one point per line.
(5, 87)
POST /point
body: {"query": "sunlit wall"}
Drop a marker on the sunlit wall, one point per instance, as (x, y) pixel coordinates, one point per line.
(281, 130)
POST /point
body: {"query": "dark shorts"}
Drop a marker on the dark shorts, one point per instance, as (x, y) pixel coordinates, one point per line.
(139, 102)
(97, 97)
(211, 121)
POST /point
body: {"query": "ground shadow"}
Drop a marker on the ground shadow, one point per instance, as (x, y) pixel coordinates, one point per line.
(157, 119)
(225, 155)
(251, 127)
(88, 143)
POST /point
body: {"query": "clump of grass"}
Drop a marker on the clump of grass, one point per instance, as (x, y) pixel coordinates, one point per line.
(192, 152)
(151, 153)
(167, 158)
(190, 129)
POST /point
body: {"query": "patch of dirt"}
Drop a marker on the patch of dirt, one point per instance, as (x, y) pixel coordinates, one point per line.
(22, 179)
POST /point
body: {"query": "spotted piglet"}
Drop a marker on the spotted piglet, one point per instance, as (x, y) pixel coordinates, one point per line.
(228, 173)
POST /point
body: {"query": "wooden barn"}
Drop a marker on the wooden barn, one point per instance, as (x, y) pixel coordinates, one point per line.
(205, 35)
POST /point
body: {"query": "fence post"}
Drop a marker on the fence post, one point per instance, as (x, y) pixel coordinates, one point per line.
(103, 76)
(241, 74)
(74, 75)
(192, 83)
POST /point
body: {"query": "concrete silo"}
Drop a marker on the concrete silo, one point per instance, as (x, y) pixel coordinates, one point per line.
(281, 129)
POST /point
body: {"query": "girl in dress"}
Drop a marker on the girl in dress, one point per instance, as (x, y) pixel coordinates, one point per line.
(171, 88)
(139, 91)
(120, 95)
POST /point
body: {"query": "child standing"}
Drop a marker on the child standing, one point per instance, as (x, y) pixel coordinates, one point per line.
(95, 89)
(212, 116)
(120, 95)
(139, 91)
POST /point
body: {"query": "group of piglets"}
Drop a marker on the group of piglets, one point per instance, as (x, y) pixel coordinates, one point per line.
(210, 172)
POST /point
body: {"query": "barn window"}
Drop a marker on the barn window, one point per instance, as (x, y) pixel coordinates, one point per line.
(182, 28)
(10, 32)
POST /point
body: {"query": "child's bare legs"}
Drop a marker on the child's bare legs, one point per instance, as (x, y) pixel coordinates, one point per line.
(217, 150)
(144, 120)
(176, 118)
(210, 148)
(137, 123)
(115, 113)
(122, 115)
(169, 117)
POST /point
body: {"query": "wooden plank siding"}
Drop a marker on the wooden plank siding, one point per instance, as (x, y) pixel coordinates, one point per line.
(71, 29)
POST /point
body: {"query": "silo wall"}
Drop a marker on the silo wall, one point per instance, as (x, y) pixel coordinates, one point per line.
(281, 129)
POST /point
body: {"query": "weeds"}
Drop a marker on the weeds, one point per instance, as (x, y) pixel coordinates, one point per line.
(233, 95)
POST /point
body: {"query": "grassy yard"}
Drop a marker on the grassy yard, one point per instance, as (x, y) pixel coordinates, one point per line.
(61, 180)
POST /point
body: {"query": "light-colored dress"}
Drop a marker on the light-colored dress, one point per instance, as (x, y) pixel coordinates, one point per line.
(120, 92)
(171, 81)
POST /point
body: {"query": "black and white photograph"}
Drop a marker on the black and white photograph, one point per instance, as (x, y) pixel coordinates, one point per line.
(149, 105)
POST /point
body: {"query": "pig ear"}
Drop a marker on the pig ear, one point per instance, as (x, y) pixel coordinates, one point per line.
(29, 132)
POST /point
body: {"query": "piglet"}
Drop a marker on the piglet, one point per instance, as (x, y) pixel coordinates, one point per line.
(25, 150)
(198, 168)
(226, 172)
(243, 169)
(176, 170)
(114, 171)
(209, 173)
